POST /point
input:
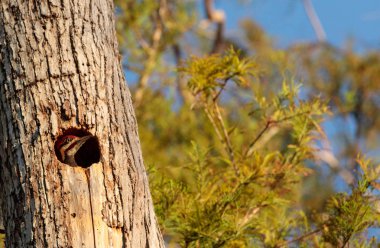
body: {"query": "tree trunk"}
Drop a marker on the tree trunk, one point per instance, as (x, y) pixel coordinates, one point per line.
(60, 72)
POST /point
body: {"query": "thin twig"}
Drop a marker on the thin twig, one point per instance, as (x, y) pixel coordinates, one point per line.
(227, 139)
(235, 191)
(220, 91)
(222, 87)
(314, 20)
(300, 238)
(222, 133)
(268, 124)
(252, 144)
(214, 124)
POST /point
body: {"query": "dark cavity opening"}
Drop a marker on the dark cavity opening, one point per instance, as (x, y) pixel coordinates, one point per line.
(77, 147)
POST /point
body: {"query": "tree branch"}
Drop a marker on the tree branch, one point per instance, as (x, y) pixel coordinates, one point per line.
(227, 139)
(184, 94)
(300, 238)
(152, 51)
(268, 125)
(252, 144)
(218, 17)
(314, 20)
(221, 130)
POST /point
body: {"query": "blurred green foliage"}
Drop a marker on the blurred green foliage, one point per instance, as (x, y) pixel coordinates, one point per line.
(235, 142)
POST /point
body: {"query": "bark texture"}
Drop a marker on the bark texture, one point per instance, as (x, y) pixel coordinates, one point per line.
(60, 68)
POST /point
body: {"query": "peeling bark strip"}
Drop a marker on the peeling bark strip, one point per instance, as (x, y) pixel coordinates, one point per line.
(59, 68)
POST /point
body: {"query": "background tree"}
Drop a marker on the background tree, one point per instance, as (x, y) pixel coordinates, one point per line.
(240, 157)
(60, 75)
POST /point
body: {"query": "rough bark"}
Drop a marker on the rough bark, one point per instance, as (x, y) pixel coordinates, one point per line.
(59, 69)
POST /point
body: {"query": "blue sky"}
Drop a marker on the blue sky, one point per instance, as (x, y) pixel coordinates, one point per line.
(286, 21)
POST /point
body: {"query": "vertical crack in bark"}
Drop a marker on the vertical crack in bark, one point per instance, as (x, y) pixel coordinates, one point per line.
(112, 151)
(116, 191)
(87, 172)
(34, 35)
(133, 188)
(76, 62)
(45, 193)
(61, 184)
